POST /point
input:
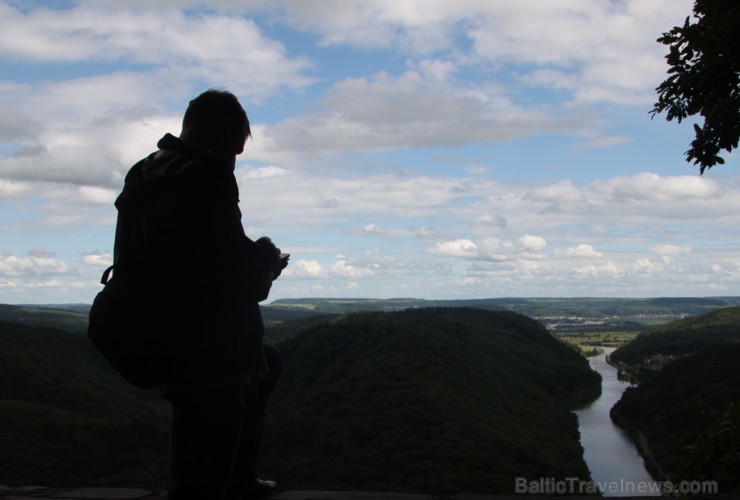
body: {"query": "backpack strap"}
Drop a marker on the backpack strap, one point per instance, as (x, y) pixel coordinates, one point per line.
(106, 274)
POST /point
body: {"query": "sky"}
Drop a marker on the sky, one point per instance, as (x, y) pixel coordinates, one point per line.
(401, 148)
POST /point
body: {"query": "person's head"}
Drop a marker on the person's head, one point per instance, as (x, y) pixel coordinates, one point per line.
(215, 120)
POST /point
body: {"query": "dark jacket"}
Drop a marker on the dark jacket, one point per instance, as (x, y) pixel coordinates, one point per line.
(179, 235)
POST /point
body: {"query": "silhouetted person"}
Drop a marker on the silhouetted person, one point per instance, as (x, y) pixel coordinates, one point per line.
(179, 230)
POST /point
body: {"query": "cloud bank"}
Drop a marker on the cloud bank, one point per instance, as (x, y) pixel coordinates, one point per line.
(436, 149)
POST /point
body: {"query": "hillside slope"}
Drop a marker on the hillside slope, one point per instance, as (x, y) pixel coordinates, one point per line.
(652, 350)
(689, 416)
(72, 320)
(66, 419)
(426, 401)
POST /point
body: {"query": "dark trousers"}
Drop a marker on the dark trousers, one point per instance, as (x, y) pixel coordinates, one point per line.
(216, 433)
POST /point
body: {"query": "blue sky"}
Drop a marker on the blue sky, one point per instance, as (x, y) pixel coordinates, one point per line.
(417, 148)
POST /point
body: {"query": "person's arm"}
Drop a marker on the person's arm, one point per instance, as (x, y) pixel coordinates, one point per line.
(232, 265)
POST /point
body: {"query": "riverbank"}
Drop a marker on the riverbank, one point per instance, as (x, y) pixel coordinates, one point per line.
(612, 457)
(638, 438)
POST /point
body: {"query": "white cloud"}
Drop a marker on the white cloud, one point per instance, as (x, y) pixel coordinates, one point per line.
(372, 229)
(575, 42)
(668, 253)
(487, 220)
(42, 276)
(535, 243)
(604, 142)
(441, 154)
(645, 266)
(55, 208)
(396, 232)
(671, 250)
(305, 268)
(89, 128)
(531, 243)
(96, 195)
(652, 187)
(342, 267)
(560, 197)
(582, 250)
(435, 69)
(606, 270)
(418, 108)
(265, 172)
(95, 152)
(386, 112)
(599, 51)
(496, 250)
(15, 125)
(527, 247)
(37, 262)
(183, 44)
(98, 259)
(305, 199)
(9, 189)
(463, 248)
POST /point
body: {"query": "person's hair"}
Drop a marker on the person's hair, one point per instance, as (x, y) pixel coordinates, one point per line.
(216, 120)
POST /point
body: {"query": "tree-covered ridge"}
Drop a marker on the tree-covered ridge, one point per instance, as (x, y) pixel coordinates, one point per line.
(66, 419)
(687, 417)
(728, 316)
(563, 314)
(685, 414)
(653, 349)
(70, 318)
(279, 327)
(433, 400)
(588, 307)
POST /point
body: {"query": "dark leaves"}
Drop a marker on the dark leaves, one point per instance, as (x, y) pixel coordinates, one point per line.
(704, 61)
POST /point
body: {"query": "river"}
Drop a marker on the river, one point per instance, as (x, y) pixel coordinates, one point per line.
(612, 458)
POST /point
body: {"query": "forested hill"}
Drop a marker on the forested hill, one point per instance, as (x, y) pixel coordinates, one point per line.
(686, 410)
(426, 401)
(653, 349)
(433, 400)
(688, 415)
(67, 419)
(70, 317)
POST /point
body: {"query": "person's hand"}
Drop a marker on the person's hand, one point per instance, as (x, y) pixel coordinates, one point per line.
(281, 260)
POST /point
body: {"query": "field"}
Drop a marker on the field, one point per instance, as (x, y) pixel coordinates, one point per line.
(601, 339)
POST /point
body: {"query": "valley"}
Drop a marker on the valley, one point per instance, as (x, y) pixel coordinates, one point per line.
(432, 396)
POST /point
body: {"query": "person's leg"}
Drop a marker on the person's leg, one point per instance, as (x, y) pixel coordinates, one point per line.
(206, 425)
(244, 475)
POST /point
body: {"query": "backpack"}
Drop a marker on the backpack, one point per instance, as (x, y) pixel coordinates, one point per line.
(134, 330)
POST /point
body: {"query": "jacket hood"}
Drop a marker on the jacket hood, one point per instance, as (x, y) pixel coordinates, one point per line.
(173, 157)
